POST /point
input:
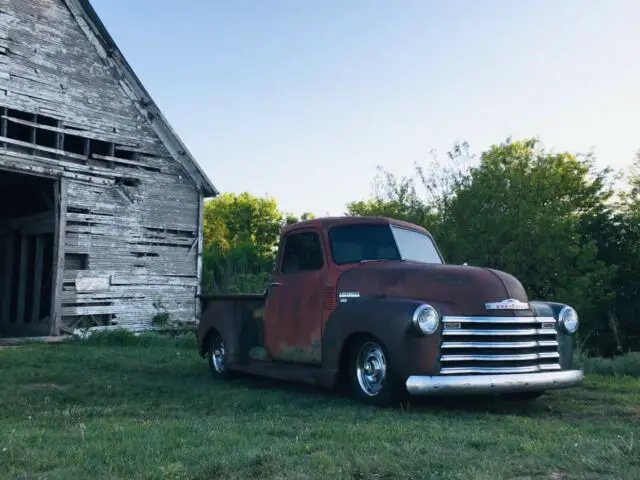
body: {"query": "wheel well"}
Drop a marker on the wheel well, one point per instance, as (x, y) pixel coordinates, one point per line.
(348, 344)
(207, 338)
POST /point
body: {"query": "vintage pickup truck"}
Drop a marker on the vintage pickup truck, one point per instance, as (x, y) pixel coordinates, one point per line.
(369, 302)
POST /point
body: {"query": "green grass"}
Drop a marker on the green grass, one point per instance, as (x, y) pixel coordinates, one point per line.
(147, 408)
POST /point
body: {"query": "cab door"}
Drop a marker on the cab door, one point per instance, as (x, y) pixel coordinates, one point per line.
(293, 308)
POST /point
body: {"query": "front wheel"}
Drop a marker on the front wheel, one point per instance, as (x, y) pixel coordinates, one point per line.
(371, 376)
(216, 355)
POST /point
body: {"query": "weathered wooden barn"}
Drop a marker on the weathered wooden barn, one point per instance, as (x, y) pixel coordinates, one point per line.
(101, 205)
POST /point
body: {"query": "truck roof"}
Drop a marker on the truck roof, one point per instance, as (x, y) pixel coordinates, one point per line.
(327, 222)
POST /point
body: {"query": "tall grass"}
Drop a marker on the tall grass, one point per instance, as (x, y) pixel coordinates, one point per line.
(240, 270)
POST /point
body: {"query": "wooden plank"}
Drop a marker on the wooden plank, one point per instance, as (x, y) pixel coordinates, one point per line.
(132, 163)
(60, 194)
(37, 279)
(3, 124)
(7, 277)
(200, 241)
(22, 279)
(126, 278)
(126, 146)
(46, 167)
(93, 284)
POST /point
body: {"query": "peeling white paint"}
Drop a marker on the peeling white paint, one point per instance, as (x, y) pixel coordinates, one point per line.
(129, 223)
(92, 284)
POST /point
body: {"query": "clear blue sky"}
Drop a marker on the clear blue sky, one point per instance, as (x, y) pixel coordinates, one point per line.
(302, 99)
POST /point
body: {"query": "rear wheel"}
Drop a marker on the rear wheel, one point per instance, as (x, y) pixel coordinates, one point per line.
(217, 357)
(371, 376)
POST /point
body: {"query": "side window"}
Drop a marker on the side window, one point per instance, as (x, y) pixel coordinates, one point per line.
(302, 252)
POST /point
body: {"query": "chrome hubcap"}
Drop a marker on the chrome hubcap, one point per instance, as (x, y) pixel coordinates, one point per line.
(217, 355)
(371, 368)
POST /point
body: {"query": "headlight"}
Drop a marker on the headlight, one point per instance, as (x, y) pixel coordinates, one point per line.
(568, 318)
(426, 319)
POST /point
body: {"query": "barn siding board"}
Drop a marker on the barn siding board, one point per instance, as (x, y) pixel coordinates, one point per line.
(137, 221)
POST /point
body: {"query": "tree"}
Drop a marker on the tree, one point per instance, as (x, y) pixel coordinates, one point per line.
(519, 209)
(232, 220)
(631, 199)
(290, 218)
(241, 234)
(401, 202)
(399, 198)
(616, 232)
(522, 212)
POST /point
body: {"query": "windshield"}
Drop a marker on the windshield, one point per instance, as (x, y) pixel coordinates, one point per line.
(415, 246)
(362, 242)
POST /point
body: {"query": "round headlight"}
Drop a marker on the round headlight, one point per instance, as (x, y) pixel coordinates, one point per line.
(568, 318)
(426, 319)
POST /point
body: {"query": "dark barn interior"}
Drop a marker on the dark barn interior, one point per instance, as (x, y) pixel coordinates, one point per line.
(27, 233)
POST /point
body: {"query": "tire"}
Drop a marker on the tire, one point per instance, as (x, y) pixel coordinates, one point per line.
(371, 376)
(217, 357)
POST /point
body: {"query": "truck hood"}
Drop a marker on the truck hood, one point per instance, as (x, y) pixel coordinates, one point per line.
(455, 289)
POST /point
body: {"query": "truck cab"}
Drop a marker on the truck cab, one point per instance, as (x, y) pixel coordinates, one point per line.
(369, 301)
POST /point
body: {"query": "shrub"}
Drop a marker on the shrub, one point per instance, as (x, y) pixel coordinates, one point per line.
(242, 270)
(621, 365)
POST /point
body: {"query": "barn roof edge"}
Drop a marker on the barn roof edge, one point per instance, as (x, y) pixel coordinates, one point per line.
(108, 49)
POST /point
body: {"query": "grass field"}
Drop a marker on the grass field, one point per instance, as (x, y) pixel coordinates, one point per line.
(152, 411)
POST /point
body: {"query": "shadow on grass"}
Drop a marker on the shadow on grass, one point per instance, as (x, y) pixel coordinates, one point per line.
(471, 404)
(570, 404)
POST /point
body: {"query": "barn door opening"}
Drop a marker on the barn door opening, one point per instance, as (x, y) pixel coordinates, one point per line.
(28, 227)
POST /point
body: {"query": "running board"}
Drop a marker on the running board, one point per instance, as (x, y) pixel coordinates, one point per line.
(308, 374)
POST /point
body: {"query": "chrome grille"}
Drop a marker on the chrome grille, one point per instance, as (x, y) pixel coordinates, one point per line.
(486, 345)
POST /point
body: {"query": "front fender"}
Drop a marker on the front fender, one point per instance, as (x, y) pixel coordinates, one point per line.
(390, 322)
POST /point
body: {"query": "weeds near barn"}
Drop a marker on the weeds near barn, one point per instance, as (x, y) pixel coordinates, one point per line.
(242, 270)
(125, 406)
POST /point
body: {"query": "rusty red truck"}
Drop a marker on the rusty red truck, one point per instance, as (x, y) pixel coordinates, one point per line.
(370, 301)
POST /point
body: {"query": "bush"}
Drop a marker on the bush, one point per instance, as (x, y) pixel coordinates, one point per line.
(623, 365)
(242, 270)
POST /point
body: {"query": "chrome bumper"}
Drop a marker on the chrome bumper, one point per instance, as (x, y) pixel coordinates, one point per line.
(483, 384)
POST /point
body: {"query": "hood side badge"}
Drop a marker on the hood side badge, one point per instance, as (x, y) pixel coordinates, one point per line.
(345, 296)
(508, 304)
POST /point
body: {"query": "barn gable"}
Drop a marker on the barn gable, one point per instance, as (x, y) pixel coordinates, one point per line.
(106, 47)
(71, 45)
(111, 201)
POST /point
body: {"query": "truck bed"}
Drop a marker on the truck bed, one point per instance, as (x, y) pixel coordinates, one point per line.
(239, 316)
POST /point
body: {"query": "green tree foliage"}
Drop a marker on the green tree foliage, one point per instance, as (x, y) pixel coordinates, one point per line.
(290, 218)
(232, 221)
(616, 232)
(399, 198)
(548, 218)
(521, 211)
(393, 199)
(241, 234)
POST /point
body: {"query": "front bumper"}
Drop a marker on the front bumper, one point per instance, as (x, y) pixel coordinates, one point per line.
(483, 384)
